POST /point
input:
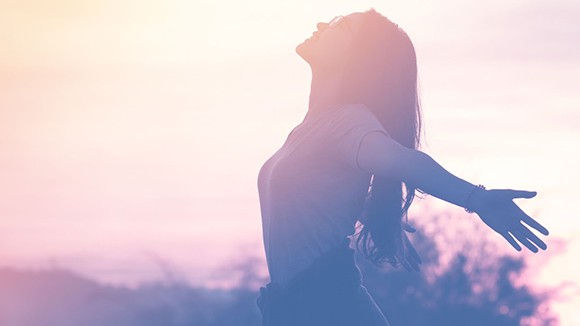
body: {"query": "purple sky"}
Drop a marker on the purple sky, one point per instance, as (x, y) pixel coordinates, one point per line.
(131, 134)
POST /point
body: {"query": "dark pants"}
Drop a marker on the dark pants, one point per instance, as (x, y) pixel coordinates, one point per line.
(328, 293)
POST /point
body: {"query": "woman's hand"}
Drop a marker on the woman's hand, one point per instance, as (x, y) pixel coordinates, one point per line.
(412, 259)
(497, 210)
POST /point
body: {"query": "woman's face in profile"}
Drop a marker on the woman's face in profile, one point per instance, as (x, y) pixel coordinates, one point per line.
(329, 44)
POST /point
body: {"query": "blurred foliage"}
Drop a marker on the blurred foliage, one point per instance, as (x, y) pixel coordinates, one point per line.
(475, 287)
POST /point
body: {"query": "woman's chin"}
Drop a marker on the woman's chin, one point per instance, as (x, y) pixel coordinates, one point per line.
(303, 49)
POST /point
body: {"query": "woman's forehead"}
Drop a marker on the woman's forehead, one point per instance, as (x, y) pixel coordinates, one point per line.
(355, 19)
(355, 15)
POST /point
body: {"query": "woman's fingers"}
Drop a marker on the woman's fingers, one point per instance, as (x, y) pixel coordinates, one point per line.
(531, 222)
(404, 261)
(523, 194)
(407, 266)
(523, 240)
(412, 259)
(408, 228)
(412, 251)
(511, 240)
(534, 238)
(410, 265)
(413, 254)
(415, 266)
(508, 214)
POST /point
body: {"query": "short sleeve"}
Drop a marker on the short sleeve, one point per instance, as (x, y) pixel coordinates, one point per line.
(347, 129)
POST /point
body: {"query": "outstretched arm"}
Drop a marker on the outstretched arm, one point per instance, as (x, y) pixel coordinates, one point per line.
(384, 157)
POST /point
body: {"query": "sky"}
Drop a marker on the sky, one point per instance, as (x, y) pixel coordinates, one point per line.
(131, 133)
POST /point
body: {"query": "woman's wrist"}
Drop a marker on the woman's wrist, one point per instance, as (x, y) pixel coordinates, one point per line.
(474, 200)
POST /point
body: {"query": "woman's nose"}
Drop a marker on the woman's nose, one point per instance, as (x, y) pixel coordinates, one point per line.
(322, 26)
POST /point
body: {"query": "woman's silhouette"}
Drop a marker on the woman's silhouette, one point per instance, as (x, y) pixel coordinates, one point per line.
(361, 131)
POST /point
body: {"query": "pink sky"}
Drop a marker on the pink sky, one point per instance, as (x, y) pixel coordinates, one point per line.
(133, 132)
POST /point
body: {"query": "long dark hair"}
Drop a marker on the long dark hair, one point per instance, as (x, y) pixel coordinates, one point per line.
(382, 74)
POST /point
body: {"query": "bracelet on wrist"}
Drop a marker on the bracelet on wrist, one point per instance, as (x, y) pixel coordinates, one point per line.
(480, 186)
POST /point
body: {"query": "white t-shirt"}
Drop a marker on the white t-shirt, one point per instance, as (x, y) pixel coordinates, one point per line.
(312, 190)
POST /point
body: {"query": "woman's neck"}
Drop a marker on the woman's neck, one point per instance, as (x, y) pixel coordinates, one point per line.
(324, 93)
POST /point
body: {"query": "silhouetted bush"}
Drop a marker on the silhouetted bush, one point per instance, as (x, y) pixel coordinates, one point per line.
(475, 287)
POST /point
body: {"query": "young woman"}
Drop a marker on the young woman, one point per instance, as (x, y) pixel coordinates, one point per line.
(361, 130)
